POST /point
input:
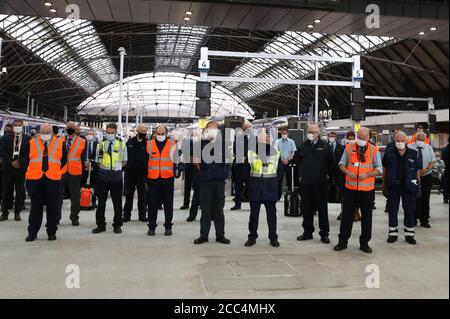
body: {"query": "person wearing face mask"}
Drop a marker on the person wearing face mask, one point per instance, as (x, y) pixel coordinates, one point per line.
(401, 177)
(287, 149)
(162, 154)
(419, 129)
(360, 163)
(111, 157)
(426, 159)
(71, 179)
(89, 160)
(195, 146)
(316, 165)
(336, 177)
(135, 174)
(14, 151)
(263, 188)
(46, 160)
(7, 130)
(213, 172)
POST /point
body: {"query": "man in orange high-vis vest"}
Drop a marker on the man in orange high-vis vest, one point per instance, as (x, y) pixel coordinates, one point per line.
(47, 157)
(72, 171)
(360, 163)
(419, 128)
(160, 179)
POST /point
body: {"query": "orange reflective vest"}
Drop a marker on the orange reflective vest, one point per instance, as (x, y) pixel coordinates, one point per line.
(74, 162)
(413, 140)
(55, 151)
(160, 164)
(356, 167)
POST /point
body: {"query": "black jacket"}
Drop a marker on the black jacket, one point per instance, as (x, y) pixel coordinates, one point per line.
(6, 151)
(137, 156)
(316, 162)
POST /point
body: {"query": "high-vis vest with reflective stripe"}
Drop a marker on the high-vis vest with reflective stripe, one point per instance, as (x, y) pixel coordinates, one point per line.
(107, 162)
(160, 165)
(55, 151)
(74, 164)
(356, 167)
(260, 169)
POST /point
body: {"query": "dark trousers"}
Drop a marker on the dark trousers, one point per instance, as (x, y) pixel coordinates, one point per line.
(445, 184)
(85, 174)
(43, 192)
(160, 190)
(314, 197)
(102, 188)
(423, 203)
(133, 181)
(352, 200)
(188, 180)
(193, 211)
(13, 179)
(282, 171)
(395, 193)
(72, 183)
(240, 182)
(212, 201)
(271, 212)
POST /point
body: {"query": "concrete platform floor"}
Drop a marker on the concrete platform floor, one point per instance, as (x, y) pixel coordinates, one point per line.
(133, 265)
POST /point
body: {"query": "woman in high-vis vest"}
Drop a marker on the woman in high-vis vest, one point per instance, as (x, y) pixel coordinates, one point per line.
(161, 152)
(360, 163)
(263, 188)
(47, 157)
(72, 171)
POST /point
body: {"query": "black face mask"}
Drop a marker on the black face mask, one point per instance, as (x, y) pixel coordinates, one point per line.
(70, 131)
(142, 135)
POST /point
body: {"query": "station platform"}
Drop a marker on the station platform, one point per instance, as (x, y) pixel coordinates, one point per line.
(133, 265)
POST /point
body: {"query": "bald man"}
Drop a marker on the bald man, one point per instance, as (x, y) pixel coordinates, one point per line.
(135, 174)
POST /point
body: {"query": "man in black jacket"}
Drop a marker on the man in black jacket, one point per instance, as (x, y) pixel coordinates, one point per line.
(445, 158)
(316, 165)
(14, 152)
(337, 176)
(135, 174)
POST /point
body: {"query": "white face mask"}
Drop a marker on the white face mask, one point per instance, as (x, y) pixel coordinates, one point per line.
(332, 140)
(46, 137)
(18, 129)
(110, 137)
(310, 137)
(361, 143)
(284, 136)
(400, 145)
(89, 138)
(160, 138)
(420, 143)
(212, 134)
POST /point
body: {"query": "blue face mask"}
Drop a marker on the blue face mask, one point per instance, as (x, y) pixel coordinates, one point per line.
(110, 137)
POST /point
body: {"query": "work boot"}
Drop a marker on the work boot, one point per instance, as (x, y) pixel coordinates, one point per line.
(274, 243)
(52, 237)
(17, 217)
(168, 232)
(118, 230)
(366, 249)
(200, 240)
(31, 238)
(304, 237)
(425, 225)
(235, 207)
(410, 240)
(98, 230)
(75, 223)
(325, 239)
(392, 239)
(223, 240)
(250, 243)
(340, 246)
(151, 232)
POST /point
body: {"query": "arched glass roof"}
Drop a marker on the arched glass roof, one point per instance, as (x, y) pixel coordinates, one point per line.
(161, 94)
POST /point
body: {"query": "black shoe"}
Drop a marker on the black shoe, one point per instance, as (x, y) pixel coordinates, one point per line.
(200, 240)
(117, 230)
(339, 217)
(143, 219)
(304, 237)
(75, 223)
(99, 230)
(446, 201)
(325, 239)
(339, 247)
(250, 243)
(274, 243)
(126, 219)
(374, 207)
(235, 207)
(17, 218)
(168, 232)
(425, 225)
(190, 218)
(223, 240)
(52, 237)
(3, 218)
(410, 240)
(366, 249)
(184, 207)
(151, 232)
(31, 238)
(392, 239)
(386, 211)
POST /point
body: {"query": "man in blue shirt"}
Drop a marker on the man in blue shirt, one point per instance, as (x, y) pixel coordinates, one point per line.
(287, 149)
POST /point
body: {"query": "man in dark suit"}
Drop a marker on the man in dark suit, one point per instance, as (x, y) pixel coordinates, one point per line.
(14, 152)
(337, 176)
(89, 161)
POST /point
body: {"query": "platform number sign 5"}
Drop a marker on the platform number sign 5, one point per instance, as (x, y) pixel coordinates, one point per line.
(203, 65)
(358, 75)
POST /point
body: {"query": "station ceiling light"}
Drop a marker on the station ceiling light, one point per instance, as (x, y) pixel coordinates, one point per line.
(48, 4)
(317, 21)
(433, 29)
(310, 26)
(421, 33)
(188, 13)
(52, 10)
(187, 19)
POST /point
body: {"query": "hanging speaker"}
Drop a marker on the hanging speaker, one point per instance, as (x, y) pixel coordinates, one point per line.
(357, 95)
(203, 107)
(203, 90)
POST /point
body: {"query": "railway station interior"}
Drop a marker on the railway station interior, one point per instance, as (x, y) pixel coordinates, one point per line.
(166, 72)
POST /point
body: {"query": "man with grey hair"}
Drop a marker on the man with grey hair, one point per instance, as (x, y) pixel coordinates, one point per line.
(135, 174)
(426, 159)
(401, 178)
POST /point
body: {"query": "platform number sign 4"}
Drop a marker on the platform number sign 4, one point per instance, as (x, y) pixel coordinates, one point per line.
(203, 65)
(358, 75)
